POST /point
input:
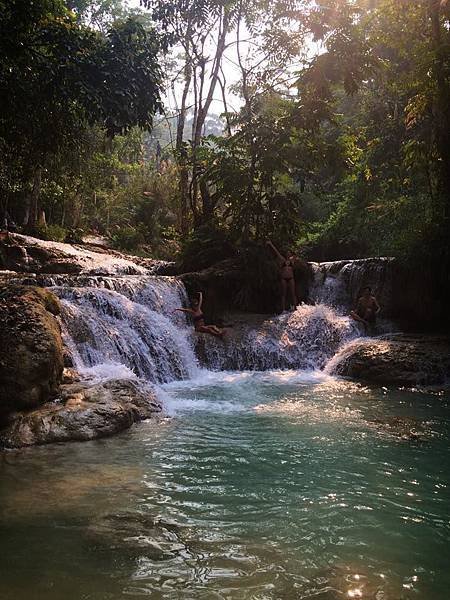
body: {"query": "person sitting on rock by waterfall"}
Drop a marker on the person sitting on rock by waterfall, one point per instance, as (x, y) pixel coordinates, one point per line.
(199, 318)
(367, 308)
(286, 265)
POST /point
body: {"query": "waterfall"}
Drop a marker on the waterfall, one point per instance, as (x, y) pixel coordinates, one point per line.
(339, 283)
(117, 316)
(303, 339)
(127, 321)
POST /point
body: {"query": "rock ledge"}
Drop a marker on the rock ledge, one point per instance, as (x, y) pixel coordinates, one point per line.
(406, 360)
(85, 411)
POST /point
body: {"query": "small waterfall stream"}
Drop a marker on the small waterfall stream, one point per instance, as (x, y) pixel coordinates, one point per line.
(339, 283)
(128, 323)
(303, 339)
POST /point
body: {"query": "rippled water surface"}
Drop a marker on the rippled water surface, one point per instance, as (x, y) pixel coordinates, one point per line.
(258, 486)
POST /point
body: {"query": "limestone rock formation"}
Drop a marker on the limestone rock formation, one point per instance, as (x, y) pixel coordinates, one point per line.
(25, 254)
(406, 360)
(84, 412)
(31, 350)
(228, 286)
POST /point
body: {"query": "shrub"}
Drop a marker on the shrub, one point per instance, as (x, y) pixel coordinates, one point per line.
(74, 236)
(128, 238)
(204, 247)
(52, 233)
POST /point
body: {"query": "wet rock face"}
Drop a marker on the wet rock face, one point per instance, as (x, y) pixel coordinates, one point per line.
(31, 350)
(396, 360)
(25, 254)
(227, 286)
(85, 412)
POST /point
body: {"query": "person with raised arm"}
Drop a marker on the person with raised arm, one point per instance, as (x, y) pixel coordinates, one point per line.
(199, 319)
(287, 280)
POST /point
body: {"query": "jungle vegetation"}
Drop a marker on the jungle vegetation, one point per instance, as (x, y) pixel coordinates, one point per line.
(338, 144)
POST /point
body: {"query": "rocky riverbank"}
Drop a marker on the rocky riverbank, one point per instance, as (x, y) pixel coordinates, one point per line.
(83, 411)
(36, 405)
(25, 254)
(399, 360)
(125, 317)
(31, 348)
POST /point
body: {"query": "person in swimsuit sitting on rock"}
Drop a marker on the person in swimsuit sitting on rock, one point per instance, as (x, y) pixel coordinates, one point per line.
(367, 308)
(199, 318)
(286, 276)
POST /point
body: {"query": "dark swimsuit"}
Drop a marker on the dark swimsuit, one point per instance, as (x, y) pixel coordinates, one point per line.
(287, 263)
(200, 317)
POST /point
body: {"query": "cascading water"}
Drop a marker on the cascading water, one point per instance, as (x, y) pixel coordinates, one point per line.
(130, 321)
(127, 321)
(115, 312)
(339, 283)
(303, 339)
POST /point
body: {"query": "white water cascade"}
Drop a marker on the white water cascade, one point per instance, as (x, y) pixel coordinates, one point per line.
(339, 283)
(128, 323)
(118, 317)
(303, 339)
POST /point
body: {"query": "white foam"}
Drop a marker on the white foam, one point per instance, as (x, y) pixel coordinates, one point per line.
(231, 391)
(105, 326)
(107, 371)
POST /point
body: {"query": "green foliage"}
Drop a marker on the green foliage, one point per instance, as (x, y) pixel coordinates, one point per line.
(54, 233)
(128, 237)
(204, 247)
(74, 235)
(57, 78)
(391, 197)
(355, 163)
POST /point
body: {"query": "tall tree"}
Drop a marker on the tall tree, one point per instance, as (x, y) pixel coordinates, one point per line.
(57, 75)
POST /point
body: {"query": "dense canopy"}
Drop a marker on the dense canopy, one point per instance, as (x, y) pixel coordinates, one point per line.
(324, 126)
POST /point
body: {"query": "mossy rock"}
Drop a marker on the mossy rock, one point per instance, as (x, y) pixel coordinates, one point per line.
(31, 349)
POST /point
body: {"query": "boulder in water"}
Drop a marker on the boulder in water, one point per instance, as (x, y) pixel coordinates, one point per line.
(407, 360)
(85, 412)
(31, 349)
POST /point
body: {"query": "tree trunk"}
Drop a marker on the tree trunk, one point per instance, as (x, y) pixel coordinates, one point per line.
(181, 153)
(32, 209)
(203, 108)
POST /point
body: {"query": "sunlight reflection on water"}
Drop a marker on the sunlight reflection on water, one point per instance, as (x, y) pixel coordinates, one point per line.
(280, 485)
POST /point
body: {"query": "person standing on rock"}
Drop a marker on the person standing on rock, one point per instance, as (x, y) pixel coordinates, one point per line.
(287, 280)
(199, 318)
(367, 308)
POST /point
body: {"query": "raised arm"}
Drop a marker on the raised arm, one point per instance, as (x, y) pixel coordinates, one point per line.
(200, 300)
(186, 310)
(275, 250)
